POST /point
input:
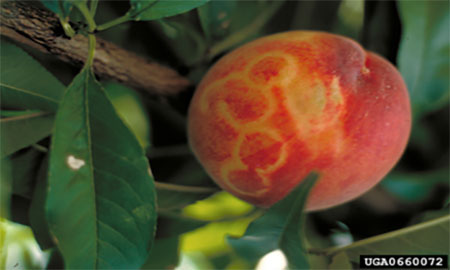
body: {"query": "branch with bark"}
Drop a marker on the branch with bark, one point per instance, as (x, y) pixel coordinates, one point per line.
(29, 24)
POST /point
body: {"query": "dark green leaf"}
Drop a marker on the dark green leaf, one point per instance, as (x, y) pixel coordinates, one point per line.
(128, 104)
(424, 53)
(21, 131)
(24, 170)
(140, 5)
(25, 84)
(8, 113)
(101, 202)
(60, 7)
(414, 186)
(5, 192)
(427, 238)
(215, 18)
(173, 224)
(291, 240)
(55, 260)
(188, 184)
(38, 222)
(142, 10)
(171, 196)
(184, 39)
(350, 17)
(340, 261)
(164, 254)
(315, 15)
(281, 227)
(379, 16)
(245, 22)
(430, 215)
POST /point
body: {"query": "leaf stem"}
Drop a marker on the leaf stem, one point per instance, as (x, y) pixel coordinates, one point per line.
(254, 212)
(182, 188)
(91, 27)
(93, 7)
(68, 30)
(40, 148)
(169, 151)
(87, 15)
(117, 21)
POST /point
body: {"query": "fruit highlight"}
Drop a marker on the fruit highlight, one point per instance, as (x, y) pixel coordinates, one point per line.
(277, 108)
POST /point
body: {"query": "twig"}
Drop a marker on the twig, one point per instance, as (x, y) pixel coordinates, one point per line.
(29, 24)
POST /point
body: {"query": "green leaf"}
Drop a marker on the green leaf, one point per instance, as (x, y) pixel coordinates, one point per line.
(8, 113)
(429, 215)
(164, 254)
(425, 238)
(21, 131)
(350, 17)
(24, 83)
(138, 6)
(215, 18)
(24, 171)
(281, 227)
(246, 22)
(415, 186)
(172, 196)
(60, 7)
(5, 196)
(174, 223)
(128, 104)
(38, 222)
(183, 38)
(424, 52)
(316, 15)
(101, 200)
(188, 184)
(143, 10)
(340, 261)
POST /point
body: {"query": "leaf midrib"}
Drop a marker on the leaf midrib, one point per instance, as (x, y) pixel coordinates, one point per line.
(30, 93)
(385, 236)
(91, 161)
(24, 117)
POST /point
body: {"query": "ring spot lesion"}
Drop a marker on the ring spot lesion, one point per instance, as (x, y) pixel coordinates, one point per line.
(244, 103)
(247, 182)
(266, 69)
(259, 150)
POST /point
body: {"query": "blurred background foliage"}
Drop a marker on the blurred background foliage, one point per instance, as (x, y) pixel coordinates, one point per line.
(193, 225)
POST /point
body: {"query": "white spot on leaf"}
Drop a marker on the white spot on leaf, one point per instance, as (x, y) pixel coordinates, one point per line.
(275, 260)
(75, 163)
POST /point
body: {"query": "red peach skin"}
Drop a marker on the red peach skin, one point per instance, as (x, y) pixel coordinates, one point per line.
(272, 111)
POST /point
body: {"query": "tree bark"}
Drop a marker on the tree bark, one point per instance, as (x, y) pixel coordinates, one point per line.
(39, 28)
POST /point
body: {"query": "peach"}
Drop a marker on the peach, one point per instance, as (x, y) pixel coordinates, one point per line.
(277, 108)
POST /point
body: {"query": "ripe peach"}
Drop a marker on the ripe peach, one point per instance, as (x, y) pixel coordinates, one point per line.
(277, 108)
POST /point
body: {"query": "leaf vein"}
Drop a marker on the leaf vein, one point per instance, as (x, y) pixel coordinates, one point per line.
(113, 247)
(122, 180)
(121, 207)
(29, 92)
(118, 233)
